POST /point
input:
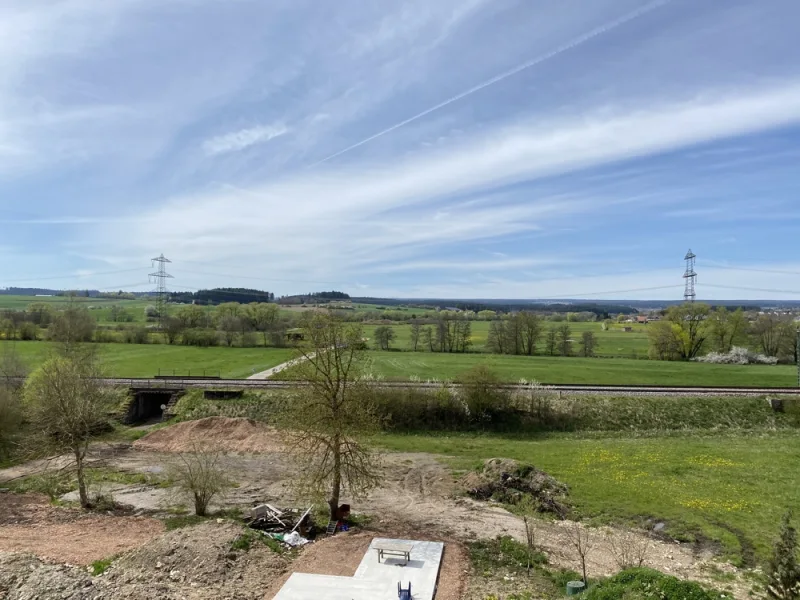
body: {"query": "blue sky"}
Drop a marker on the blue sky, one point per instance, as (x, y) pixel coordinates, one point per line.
(457, 148)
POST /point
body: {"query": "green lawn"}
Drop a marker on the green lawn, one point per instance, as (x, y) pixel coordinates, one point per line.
(147, 360)
(730, 489)
(547, 369)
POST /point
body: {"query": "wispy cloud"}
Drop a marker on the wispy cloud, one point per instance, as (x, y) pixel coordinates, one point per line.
(244, 138)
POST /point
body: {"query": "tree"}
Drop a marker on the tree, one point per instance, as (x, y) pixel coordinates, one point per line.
(150, 312)
(201, 475)
(691, 328)
(663, 341)
(426, 337)
(40, 313)
(192, 316)
(416, 330)
(531, 331)
(73, 325)
(330, 420)
(383, 337)
(173, 328)
(66, 406)
(581, 540)
(496, 338)
(263, 317)
(551, 341)
(774, 335)
(229, 326)
(564, 334)
(783, 572)
(726, 329)
(588, 344)
(229, 309)
(120, 315)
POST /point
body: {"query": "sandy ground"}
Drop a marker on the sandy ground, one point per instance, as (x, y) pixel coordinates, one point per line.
(419, 499)
(28, 523)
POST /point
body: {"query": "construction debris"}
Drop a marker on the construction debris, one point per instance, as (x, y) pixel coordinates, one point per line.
(273, 520)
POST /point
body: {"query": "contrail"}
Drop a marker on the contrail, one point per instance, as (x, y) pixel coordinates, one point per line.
(505, 75)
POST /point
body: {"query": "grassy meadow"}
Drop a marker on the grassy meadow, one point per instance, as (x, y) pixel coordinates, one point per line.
(147, 360)
(556, 369)
(615, 342)
(727, 490)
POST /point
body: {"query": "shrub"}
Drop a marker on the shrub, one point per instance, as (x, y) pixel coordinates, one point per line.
(783, 573)
(634, 584)
(135, 335)
(200, 474)
(199, 336)
(737, 356)
(28, 331)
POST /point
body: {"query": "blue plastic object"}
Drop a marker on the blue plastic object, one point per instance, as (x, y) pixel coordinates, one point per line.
(404, 594)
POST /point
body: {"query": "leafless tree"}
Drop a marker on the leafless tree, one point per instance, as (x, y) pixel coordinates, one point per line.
(581, 540)
(587, 344)
(329, 422)
(564, 333)
(201, 475)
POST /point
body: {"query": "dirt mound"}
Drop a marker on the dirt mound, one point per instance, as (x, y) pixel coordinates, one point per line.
(221, 433)
(508, 481)
(196, 562)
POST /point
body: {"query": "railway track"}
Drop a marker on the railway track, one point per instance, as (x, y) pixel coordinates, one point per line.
(625, 390)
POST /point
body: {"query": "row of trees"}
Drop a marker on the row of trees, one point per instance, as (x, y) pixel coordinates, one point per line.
(692, 329)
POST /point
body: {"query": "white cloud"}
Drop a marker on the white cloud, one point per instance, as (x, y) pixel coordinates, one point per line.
(244, 138)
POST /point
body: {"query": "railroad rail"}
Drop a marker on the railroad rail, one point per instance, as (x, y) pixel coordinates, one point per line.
(630, 390)
(180, 383)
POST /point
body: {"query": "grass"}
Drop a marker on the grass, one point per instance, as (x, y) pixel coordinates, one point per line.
(148, 360)
(615, 342)
(549, 369)
(101, 566)
(181, 521)
(726, 490)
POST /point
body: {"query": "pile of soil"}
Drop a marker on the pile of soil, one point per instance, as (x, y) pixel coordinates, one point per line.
(508, 481)
(195, 562)
(219, 433)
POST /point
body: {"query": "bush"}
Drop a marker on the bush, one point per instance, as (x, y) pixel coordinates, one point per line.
(636, 584)
(135, 335)
(737, 356)
(28, 331)
(485, 400)
(783, 573)
(200, 337)
(200, 474)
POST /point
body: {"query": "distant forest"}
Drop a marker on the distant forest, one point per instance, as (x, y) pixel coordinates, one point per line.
(600, 309)
(220, 295)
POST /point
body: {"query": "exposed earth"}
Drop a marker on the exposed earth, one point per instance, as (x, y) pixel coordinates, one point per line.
(419, 499)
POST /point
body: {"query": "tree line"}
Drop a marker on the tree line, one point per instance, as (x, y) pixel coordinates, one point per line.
(692, 329)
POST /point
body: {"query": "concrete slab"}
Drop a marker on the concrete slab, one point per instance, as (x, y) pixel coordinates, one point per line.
(373, 580)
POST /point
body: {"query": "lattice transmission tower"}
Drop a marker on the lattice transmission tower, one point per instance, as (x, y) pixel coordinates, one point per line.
(160, 277)
(690, 276)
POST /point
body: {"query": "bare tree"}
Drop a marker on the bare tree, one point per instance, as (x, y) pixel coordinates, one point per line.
(581, 540)
(73, 325)
(427, 337)
(66, 407)
(329, 422)
(531, 331)
(229, 327)
(10, 419)
(628, 547)
(201, 475)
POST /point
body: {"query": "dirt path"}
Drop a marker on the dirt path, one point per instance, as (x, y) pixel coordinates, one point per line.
(281, 367)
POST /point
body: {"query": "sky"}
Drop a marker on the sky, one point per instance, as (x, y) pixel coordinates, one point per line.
(403, 148)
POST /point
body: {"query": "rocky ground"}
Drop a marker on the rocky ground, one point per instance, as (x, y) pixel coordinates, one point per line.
(419, 499)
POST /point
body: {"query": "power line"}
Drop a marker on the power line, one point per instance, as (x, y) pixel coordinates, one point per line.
(581, 295)
(775, 271)
(261, 278)
(751, 289)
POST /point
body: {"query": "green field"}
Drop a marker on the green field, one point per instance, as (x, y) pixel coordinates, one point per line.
(731, 489)
(555, 369)
(615, 342)
(148, 360)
